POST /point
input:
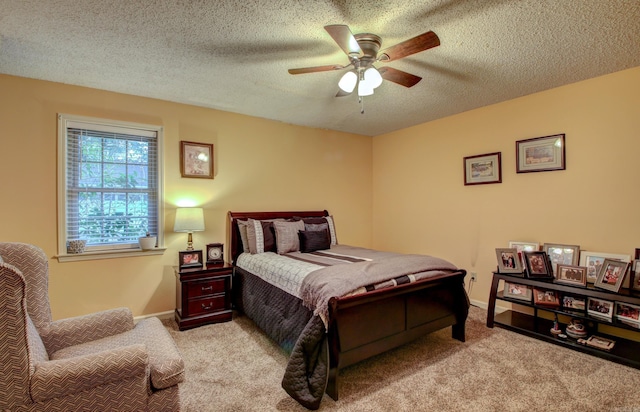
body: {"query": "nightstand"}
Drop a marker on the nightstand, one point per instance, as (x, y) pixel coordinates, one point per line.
(203, 295)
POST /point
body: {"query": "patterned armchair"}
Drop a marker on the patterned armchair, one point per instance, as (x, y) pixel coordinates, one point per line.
(97, 362)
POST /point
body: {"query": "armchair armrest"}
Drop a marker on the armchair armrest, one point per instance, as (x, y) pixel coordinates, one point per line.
(58, 378)
(86, 328)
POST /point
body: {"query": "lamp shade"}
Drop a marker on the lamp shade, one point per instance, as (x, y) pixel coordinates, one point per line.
(372, 77)
(348, 82)
(364, 89)
(189, 219)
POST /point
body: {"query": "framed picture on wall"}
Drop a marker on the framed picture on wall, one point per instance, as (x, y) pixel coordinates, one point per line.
(540, 154)
(483, 169)
(196, 160)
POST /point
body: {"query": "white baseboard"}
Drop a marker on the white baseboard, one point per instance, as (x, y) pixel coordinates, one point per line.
(160, 315)
(484, 305)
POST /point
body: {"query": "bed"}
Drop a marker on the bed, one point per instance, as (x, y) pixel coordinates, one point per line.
(354, 326)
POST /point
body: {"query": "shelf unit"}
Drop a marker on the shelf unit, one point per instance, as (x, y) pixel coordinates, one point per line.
(625, 351)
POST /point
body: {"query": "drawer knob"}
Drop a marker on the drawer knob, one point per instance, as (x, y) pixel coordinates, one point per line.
(206, 307)
(207, 288)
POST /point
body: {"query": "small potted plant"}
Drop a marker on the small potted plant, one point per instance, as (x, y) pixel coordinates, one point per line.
(147, 242)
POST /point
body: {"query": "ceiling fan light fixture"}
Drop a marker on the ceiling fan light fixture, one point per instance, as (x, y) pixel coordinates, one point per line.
(372, 77)
(364, 89)
(348, 82)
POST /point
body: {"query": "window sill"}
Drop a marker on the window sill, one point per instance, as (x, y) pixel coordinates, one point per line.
(109, 254)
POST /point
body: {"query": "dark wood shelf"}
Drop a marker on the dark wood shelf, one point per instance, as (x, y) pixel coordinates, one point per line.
(625, 351)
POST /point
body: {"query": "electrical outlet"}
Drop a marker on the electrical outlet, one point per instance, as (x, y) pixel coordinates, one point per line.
(473, 276)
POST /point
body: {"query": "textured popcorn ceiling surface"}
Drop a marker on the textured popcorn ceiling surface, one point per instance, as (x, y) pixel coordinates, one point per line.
(233, 55)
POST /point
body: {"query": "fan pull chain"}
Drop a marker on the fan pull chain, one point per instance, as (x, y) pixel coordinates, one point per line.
(361, 101)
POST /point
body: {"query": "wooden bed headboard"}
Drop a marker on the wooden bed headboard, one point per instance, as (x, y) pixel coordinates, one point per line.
(233, 232)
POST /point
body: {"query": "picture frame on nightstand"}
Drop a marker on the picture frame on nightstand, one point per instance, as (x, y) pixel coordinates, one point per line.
(190, 259)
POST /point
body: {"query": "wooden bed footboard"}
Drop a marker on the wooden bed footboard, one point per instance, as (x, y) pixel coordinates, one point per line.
(363, 326)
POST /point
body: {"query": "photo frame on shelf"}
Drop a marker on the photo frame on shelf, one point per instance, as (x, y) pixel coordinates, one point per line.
(562, 254)
(196, 160)
(574, 303)
(600, 308)
(593, 262)
(627, 312)
(190, 259)
(524, 246)
(483, 169)
(572, 275)
(611, 275)
(541, 154)
(545, 297)
(634, 282)
(508, 261)
(537, 265)
(600, 343)
(517, 291)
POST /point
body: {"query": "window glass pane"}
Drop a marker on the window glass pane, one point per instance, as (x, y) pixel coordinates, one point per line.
(115, 176)
(138, 152)
(91, 148)
(138, 176)
(90, 175)
(115, 150)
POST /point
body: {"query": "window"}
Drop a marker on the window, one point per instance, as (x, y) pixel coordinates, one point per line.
(110, 183)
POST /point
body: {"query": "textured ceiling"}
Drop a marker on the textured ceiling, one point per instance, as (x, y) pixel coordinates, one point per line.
(233, 55)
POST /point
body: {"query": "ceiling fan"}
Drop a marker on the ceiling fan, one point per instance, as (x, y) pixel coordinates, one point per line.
(363, 51)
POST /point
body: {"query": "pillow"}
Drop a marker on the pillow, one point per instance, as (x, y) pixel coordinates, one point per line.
(316, 227)
(319, 220)
(260, 236)
(242, 227)
(287, 236)
(312, 240)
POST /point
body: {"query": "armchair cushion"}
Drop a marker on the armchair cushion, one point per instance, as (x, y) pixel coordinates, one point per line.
(80, 329)
(38, 353)
(59, 378)
(166, 366)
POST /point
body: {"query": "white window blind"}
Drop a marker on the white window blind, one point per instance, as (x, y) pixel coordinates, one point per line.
(112, 183)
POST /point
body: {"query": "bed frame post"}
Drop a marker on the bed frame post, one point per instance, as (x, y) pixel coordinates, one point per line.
(334, 351)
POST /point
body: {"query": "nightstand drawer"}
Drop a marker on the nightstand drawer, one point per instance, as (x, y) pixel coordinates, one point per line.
(207, 287)
(207, 305)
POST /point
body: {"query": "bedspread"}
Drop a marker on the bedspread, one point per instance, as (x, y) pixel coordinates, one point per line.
(306, 374)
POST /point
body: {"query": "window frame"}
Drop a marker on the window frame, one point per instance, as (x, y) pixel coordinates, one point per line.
(108, 251)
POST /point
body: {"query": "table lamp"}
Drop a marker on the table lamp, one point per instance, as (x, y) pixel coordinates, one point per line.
(189, 219)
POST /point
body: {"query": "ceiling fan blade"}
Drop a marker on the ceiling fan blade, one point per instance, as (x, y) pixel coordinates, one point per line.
(408, 47)
(342, 93)
(345, 39)
(398, 76)
(317, 69)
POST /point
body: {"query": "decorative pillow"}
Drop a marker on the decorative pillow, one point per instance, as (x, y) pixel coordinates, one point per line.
(260, 236)
(312, 240)
(242, 227)
(287, 236)
(319, 220)
(315, 227)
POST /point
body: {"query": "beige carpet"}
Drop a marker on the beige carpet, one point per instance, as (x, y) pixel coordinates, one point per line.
(233, 367)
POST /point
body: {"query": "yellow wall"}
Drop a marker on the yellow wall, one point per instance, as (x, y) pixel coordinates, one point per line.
(420, 203)
(408, 183)
(259, 165)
